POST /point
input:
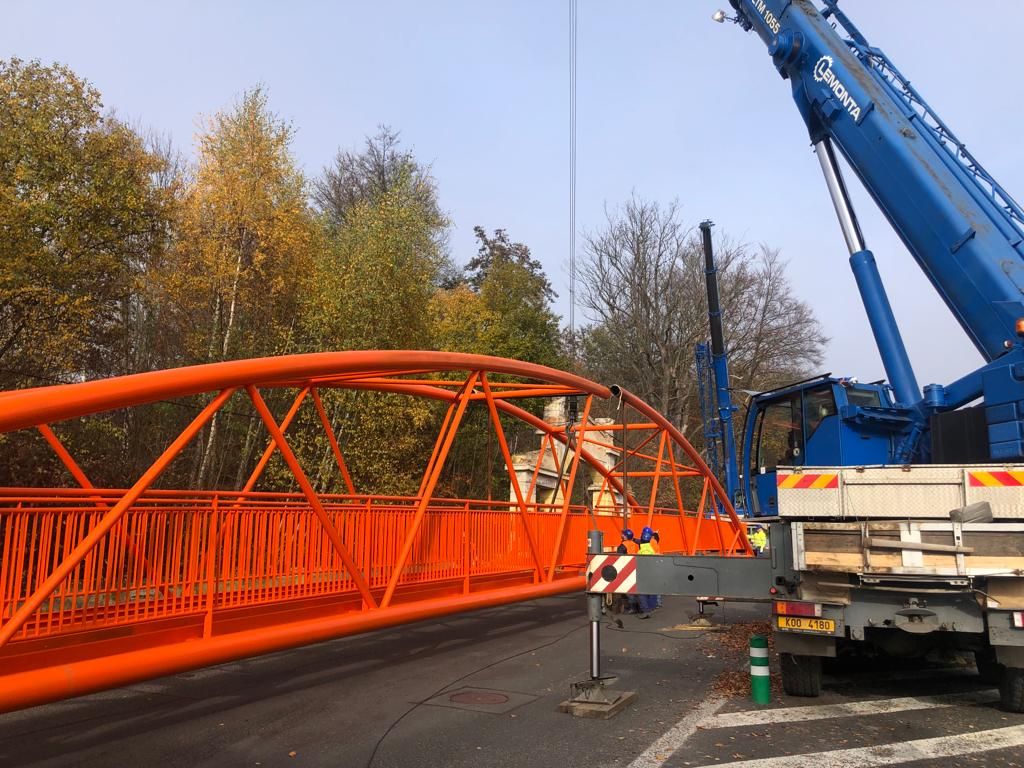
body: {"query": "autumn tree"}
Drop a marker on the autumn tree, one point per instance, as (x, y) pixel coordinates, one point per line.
(383, 248)
(373, 280)
(501, 307)
(642, 287)
(231, 286)
(81, 219)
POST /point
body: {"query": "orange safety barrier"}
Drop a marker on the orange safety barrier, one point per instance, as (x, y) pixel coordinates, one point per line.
(101, 587)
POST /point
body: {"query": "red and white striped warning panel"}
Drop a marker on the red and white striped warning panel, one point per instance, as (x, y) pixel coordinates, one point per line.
(611, 573)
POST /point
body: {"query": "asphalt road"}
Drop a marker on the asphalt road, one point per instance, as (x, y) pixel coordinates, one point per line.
(483, 689)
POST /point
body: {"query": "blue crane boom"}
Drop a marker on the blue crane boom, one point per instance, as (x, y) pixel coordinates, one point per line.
(963, 229)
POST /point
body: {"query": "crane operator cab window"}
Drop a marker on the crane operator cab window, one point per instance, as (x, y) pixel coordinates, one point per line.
(819, 404)
(781, 437)
(780, 442)
(791, 433)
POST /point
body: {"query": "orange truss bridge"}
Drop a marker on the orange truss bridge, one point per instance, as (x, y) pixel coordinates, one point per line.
(101, 587)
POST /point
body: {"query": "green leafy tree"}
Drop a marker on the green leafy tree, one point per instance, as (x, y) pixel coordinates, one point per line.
(85, 209)
(384, 251)
(81, 218)
(503, 308)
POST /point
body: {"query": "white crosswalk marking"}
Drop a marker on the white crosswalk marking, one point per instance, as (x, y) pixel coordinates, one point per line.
(707, 717)
(662, 749)
(894, 754)
(826, 711)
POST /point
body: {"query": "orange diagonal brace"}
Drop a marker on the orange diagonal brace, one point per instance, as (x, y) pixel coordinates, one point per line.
(110, 519)
(657, 474)
(272, 445)
(577, 446)
(310, 494)
(546, 444)
(507, 455)
(342, 467)
(441, 435)
(83, 480)
(701, 511)
(65, 456)
(679, 499)
(441, 448)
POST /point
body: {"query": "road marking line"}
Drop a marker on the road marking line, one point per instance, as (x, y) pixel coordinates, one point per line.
(662, 749)
(824, 711)
(894, 754)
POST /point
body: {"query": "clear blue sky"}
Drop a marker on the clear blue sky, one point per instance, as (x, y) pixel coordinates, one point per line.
(670, 105)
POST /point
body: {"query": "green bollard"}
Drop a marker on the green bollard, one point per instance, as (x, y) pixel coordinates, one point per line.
(760, 682)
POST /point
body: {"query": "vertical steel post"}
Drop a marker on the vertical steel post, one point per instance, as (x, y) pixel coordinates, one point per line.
(720, 363)
(595, 547)
(595, 636)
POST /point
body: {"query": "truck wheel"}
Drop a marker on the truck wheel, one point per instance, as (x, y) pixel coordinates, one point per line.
(989, 670)
(1011, 690)
(801, 675)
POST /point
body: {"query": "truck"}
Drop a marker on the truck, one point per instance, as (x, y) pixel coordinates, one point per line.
(895, 513)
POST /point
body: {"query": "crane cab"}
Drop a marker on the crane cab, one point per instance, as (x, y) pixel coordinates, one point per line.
(824, 421)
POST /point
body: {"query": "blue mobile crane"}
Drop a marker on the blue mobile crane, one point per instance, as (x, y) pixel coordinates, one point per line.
(895, 514)
(963, 229)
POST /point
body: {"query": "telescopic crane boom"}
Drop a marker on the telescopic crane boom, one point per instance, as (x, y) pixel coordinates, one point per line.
(963, 229)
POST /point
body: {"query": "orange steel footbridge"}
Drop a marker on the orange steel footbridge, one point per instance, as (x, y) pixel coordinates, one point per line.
(101, 587)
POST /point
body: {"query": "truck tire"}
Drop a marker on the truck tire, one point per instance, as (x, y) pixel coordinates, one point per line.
(801, 675)
(989, 670)
(1011, 690)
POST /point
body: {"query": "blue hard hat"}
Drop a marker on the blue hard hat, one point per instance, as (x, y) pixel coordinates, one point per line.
(627, 533)
(646, 534)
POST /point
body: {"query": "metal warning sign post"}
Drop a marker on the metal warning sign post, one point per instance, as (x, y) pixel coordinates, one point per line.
(612, 573)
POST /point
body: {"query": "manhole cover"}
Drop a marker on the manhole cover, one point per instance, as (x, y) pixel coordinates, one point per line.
(481, 700)
(478, 697)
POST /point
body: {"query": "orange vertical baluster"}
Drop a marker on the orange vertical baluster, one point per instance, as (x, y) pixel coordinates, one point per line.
(211, 561)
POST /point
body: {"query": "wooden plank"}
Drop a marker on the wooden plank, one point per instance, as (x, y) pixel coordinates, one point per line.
(885, 562)
(918, 546)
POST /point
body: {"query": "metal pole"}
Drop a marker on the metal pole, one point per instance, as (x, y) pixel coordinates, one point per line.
(595, 547)
(840, 197)
(720, 363)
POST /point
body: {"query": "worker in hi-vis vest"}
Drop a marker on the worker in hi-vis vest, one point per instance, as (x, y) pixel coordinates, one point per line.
(758, 539)
(628, 546)
(647, 547)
